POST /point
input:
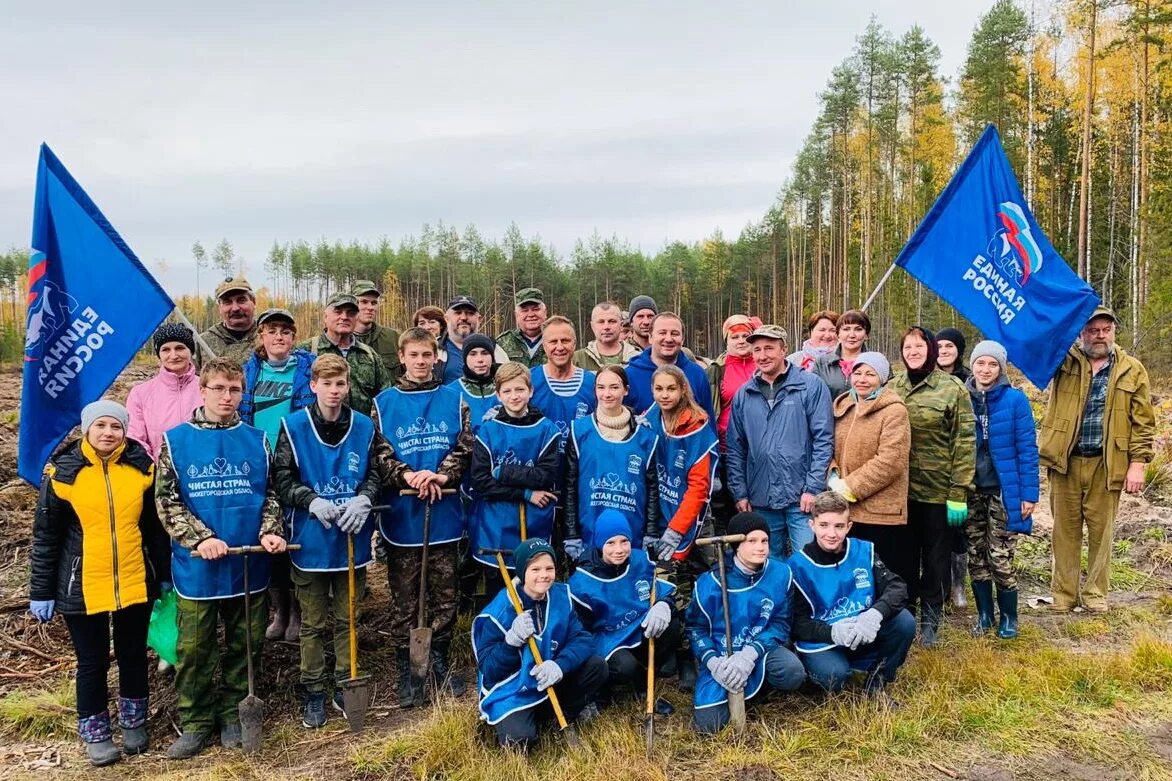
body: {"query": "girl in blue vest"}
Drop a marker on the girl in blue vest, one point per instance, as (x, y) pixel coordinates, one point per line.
(429, 430)
(759, 610)
(610, 465)
(1002, 505)
(325, 466)
(612, 594)
(512, 687)
(849, 608)
(213, 491)
(514, 471)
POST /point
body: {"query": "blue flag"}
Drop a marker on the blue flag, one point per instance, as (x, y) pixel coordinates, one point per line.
(980, 249)
(91, 305)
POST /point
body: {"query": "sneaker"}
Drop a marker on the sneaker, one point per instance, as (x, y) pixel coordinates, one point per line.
(314, 714)
(231, 735)
(188, 745)
(588, 713)
(339, 702)
(663, 707)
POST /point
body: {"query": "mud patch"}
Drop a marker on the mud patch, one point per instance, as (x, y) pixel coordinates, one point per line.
(1160, 739)
(988, 773)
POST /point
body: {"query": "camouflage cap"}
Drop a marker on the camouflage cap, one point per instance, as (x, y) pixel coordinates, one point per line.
(1103, 311)
(770, 331)
(233, 285)
(364, 287)
(529, 295)
(340, 299)
(276, 314)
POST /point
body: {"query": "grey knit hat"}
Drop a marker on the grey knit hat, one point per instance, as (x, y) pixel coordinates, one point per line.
(642, 302)
(103, 408)
(993, 349)
(878, 362)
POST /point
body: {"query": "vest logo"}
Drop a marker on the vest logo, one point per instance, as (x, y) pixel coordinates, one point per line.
(219, 467)
(352, 461)
(767, 605)
(581, 410)
(634, 464)
(509, 458)
(335, 487)
(681, 461)
(862, 578)
(421, 428)
(644, 589)
(666, 480)
(612, 482)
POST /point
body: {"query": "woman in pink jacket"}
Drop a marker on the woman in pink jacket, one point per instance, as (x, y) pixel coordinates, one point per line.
(169, 399)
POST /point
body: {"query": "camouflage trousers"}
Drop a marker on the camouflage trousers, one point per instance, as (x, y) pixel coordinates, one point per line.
(443, 593)
(325, 599)
(991, 544)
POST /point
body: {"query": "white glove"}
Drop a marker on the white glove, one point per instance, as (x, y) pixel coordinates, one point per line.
(839, 486)
(657, 619)
(715, 665)
(573, 548)
(354, 514)
(547, 674)
(325, 511)
(846, 633)
(740, 667)
(868, 623)
(521, 630)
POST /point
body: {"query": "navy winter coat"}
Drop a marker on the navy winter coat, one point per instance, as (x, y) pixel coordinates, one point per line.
(640, 369)
(1012, 435)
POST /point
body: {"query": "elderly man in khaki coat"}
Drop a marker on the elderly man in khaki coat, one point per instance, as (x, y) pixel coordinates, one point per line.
(1095, 440)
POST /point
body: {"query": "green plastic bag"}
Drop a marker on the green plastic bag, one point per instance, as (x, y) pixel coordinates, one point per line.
(163, 634)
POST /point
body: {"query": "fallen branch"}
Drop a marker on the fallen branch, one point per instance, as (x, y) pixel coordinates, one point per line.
(944, 770)
(12, 641)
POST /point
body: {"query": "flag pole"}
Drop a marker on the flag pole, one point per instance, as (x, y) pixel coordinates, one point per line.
(203, 345)
(871, 298)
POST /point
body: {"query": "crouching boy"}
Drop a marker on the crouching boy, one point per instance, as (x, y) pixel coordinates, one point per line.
(213, 491)
(513, 687)
(325, 473)
(849, 608)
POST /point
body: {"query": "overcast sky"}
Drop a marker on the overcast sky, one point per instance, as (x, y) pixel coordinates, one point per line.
(284, 121)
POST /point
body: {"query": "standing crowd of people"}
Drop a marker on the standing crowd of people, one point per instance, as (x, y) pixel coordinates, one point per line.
(854, 499)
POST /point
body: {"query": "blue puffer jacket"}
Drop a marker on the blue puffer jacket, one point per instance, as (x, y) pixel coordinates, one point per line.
(1012, 434)
(301, 396)
(777, 454)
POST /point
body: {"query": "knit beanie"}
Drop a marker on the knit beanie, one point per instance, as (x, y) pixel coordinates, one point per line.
(103, 408)
(743, 523)
(990, 348)
(642, 302)
(878, 362)
(526, 551)
(173, 332)
(610, 523)
(954, 336)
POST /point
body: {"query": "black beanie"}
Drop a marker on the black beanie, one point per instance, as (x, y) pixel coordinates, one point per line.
(478, 340)
(743, 523)
(957, 338)
(174, 332)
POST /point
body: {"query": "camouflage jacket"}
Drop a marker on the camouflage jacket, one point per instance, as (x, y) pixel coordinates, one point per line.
(226, 344)
(944, 437)
(454, 464)
(591, 359)
(368, 374)
(180, 523)
(385, 342)
(514, 346)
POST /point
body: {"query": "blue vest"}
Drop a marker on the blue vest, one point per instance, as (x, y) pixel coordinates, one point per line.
(611, 476)
(493, 524)
(519, 691)
(422, 427)
(836, 591)
(619, 604)
(750, 611)
(478, 406)
(223, 475)
(674, 458)
(334, 473)
(563, 410)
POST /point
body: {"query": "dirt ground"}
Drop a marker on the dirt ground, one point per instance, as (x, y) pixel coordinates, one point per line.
(36, 657)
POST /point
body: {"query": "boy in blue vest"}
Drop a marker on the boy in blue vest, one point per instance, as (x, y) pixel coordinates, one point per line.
(429, 430)
(849, 608)
(759, 610)
(326, 475)
(513, 696)
(213, 491)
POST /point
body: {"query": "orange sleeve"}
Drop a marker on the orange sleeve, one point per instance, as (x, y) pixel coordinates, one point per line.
(695, 496)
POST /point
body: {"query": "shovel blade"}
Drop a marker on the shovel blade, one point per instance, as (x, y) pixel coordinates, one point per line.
(251, 711)
(419, 648)
(570, 733)
(649, 728)
(355, 700)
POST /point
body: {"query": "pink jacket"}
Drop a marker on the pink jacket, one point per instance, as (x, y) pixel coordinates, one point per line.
(160, 404)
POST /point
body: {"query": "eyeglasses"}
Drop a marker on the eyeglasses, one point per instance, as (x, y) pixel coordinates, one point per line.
(220, 390)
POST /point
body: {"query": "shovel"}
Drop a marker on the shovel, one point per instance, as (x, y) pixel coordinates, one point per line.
(251, 710)
(649, 724)
(356, 691)
(568, 730)
(736, 700)
(419, 640)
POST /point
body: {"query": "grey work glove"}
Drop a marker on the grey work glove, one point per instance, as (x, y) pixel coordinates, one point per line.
(573, 548)
(521, 630)
(740, 667)
(354, 514)
(656, 621)
(726, 676)
(325, 511)
(846, 633)
(547, 674)
(668, 543)
(868, 623)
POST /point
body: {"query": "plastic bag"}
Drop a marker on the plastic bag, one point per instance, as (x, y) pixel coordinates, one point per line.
(163, 633)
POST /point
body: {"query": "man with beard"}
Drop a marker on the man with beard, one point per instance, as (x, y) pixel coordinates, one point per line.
(1095, 440)
(523, 343)
(235, 335)
(463, 320)
(607, 348)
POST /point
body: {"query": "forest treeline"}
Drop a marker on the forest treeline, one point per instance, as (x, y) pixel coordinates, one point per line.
(1081, 91)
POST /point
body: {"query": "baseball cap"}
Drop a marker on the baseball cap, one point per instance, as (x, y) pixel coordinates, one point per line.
(529, 295)
(342, 299)
(769, 331)
(275, 314)
(233, 285)
(1103, 311)
(364, 287)
(463, 301)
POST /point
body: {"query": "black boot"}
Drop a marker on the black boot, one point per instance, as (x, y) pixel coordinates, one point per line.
(983, 596)
(407, 692)
(442, 674)
(929, 626)
(686, 670)
(1007, 602)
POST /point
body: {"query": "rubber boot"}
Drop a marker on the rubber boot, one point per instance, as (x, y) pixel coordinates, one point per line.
(983, 596)
(686, 670)
(132, 714)
(442, 674)
(929, 626)
(276, 628)
(407, 693)
(99, 743)
(960, 566)
(293, 633)
(1007, 602)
